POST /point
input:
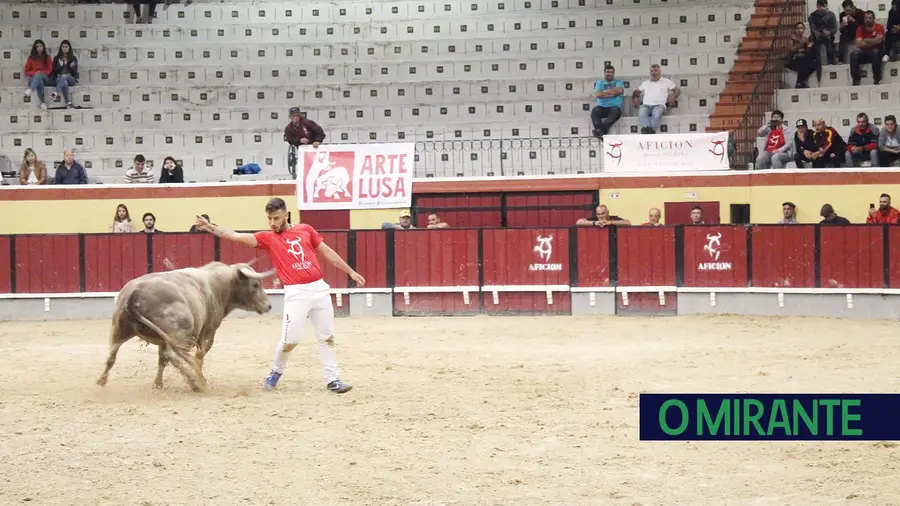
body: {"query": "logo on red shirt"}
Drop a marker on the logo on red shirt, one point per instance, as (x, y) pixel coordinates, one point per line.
(293, 253)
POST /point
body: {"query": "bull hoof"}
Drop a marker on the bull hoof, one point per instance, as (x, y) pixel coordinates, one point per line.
(157, 384)
(102, 381)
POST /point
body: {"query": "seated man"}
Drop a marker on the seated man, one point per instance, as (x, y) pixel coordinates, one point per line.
(884, 214)
(805, 149)
(653, 97)
(302, 131)
(608, 110)
(889, 142)
(830, 143)
(602, 218)
(862, 144)
(869, 38)
(434, 221)
(777, 152)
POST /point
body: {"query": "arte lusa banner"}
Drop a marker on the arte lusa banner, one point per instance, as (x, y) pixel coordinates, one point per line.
(665, 152)
(355, 176)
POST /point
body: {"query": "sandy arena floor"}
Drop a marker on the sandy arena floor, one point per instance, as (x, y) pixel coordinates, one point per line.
(466, 411)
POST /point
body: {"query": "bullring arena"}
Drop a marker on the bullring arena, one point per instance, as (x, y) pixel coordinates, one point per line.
(482, 410)
(537, 256)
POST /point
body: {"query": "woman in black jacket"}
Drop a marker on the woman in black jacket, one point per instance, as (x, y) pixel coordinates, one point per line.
(65, 72)
(171, 172)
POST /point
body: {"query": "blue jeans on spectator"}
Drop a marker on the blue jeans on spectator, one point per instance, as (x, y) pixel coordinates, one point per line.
(37, 83)
(650, 116)
(851, 159)
(63, 83)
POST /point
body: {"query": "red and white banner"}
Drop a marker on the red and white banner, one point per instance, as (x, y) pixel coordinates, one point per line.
(355, 176)
(665, 152)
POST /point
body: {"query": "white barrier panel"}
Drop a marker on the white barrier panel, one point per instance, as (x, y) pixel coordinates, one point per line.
(665, 152)
(355, 176)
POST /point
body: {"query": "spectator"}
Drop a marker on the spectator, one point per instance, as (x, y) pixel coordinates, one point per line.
(805, 149)
(302, 131)
(608, 110)
(38, 69)
(869, 39)
(892, 33)
(885, 214)
(654, 219)
(121, 223)
(405, 222)
(602, 218)
(653, 96)
(822, 26)
(434, 221)
(65, 72)
(697, 216)
(70, 171)
(889, 142)
(801, 58)
(194, 226)
(139, 172)
(788, 211)
(862, 144)
(149, 224)
(831, 217)
(777, 152)
(851, 18)
(32, 170)
(151, 10)
(830, 143)
(172, 172)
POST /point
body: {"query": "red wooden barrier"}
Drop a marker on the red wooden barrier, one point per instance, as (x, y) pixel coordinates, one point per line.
(177, 251)
(541, 217)
(784, 256)
(593, 257)
(111, 260)
(894, 256)
(486, 212)
(371, 257)
(646, 256)
(851, 257)
(5, 271)
(47, 264)
(715, 256)
(436, 258)
(526, 258)
(338, 219)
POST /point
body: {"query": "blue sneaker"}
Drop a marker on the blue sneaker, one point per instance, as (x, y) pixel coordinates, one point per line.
(272, 380)
(338, 386)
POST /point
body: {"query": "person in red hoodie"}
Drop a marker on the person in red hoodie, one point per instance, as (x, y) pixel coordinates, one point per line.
(885, 214)
(863, 143)
(38, 69)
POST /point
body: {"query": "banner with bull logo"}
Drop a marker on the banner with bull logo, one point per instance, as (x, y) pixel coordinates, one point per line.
(665, 152)
(355, 176)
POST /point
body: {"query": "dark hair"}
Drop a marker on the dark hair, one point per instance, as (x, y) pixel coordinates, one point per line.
(71, 49)
(276, 204)
(789, 204)
(862, 115)
(779, 113)
(140, 159)
(847, 3)
(127, 214)
(174, 162)
(871, 12)
(34, 53)
(144, 217)
(610, 67)
(823, 3)
(890, 117)
(697, 208)
(885, 195)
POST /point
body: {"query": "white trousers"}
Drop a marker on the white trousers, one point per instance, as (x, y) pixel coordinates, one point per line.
(300, 302)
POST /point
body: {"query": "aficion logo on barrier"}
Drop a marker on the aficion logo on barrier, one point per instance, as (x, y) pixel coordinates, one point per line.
(544, 250)
(714, 249)
(777, 417)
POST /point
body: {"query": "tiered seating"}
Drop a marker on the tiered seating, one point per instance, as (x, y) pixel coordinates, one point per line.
(211, 84)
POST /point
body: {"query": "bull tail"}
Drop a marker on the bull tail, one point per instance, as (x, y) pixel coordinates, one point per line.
(180, 350)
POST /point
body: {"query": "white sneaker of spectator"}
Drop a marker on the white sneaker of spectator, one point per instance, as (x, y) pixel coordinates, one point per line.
(28, 92)
(886, 58)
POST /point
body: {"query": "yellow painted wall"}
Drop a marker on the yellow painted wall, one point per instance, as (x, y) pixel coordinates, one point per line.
(247, 213)
(849, 201)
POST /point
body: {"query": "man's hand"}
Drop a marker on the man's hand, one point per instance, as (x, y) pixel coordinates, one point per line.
(895, 29)
(304, 141)
(203, 224)
(872, 211)
(355, 276)
(858, 149)
(316, 144)
(809, 154)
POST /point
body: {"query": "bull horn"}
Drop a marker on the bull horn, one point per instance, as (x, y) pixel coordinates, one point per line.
(250, 273)
(252, 261)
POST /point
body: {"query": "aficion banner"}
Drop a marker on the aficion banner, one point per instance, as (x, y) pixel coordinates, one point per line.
(355, 176)
(660, 153)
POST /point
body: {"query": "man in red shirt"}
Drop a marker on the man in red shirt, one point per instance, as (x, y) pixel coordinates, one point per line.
(294, 253)
(869, 38)
(885, 214)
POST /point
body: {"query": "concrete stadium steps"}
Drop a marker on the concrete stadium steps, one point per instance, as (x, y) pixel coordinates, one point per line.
(734, 99)
(629, 14)
(839, 76)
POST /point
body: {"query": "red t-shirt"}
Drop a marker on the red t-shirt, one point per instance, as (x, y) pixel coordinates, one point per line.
(293, 253)
(862, 33)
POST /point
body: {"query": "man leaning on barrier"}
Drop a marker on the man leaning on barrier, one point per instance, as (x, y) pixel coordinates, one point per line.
(301, 132)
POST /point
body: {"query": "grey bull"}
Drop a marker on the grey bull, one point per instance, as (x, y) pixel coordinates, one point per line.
(180, 311)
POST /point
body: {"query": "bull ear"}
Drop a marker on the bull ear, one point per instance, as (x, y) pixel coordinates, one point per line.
(250, 273)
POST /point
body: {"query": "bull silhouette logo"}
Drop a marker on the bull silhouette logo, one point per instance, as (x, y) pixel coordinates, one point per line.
(329, 177)
(544, 249)
(713, 245)
(296, 248)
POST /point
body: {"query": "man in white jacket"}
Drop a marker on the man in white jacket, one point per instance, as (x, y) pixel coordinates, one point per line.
(776, 152)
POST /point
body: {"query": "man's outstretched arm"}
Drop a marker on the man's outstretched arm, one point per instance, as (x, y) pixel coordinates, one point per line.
(224, 233)
(336, 260)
